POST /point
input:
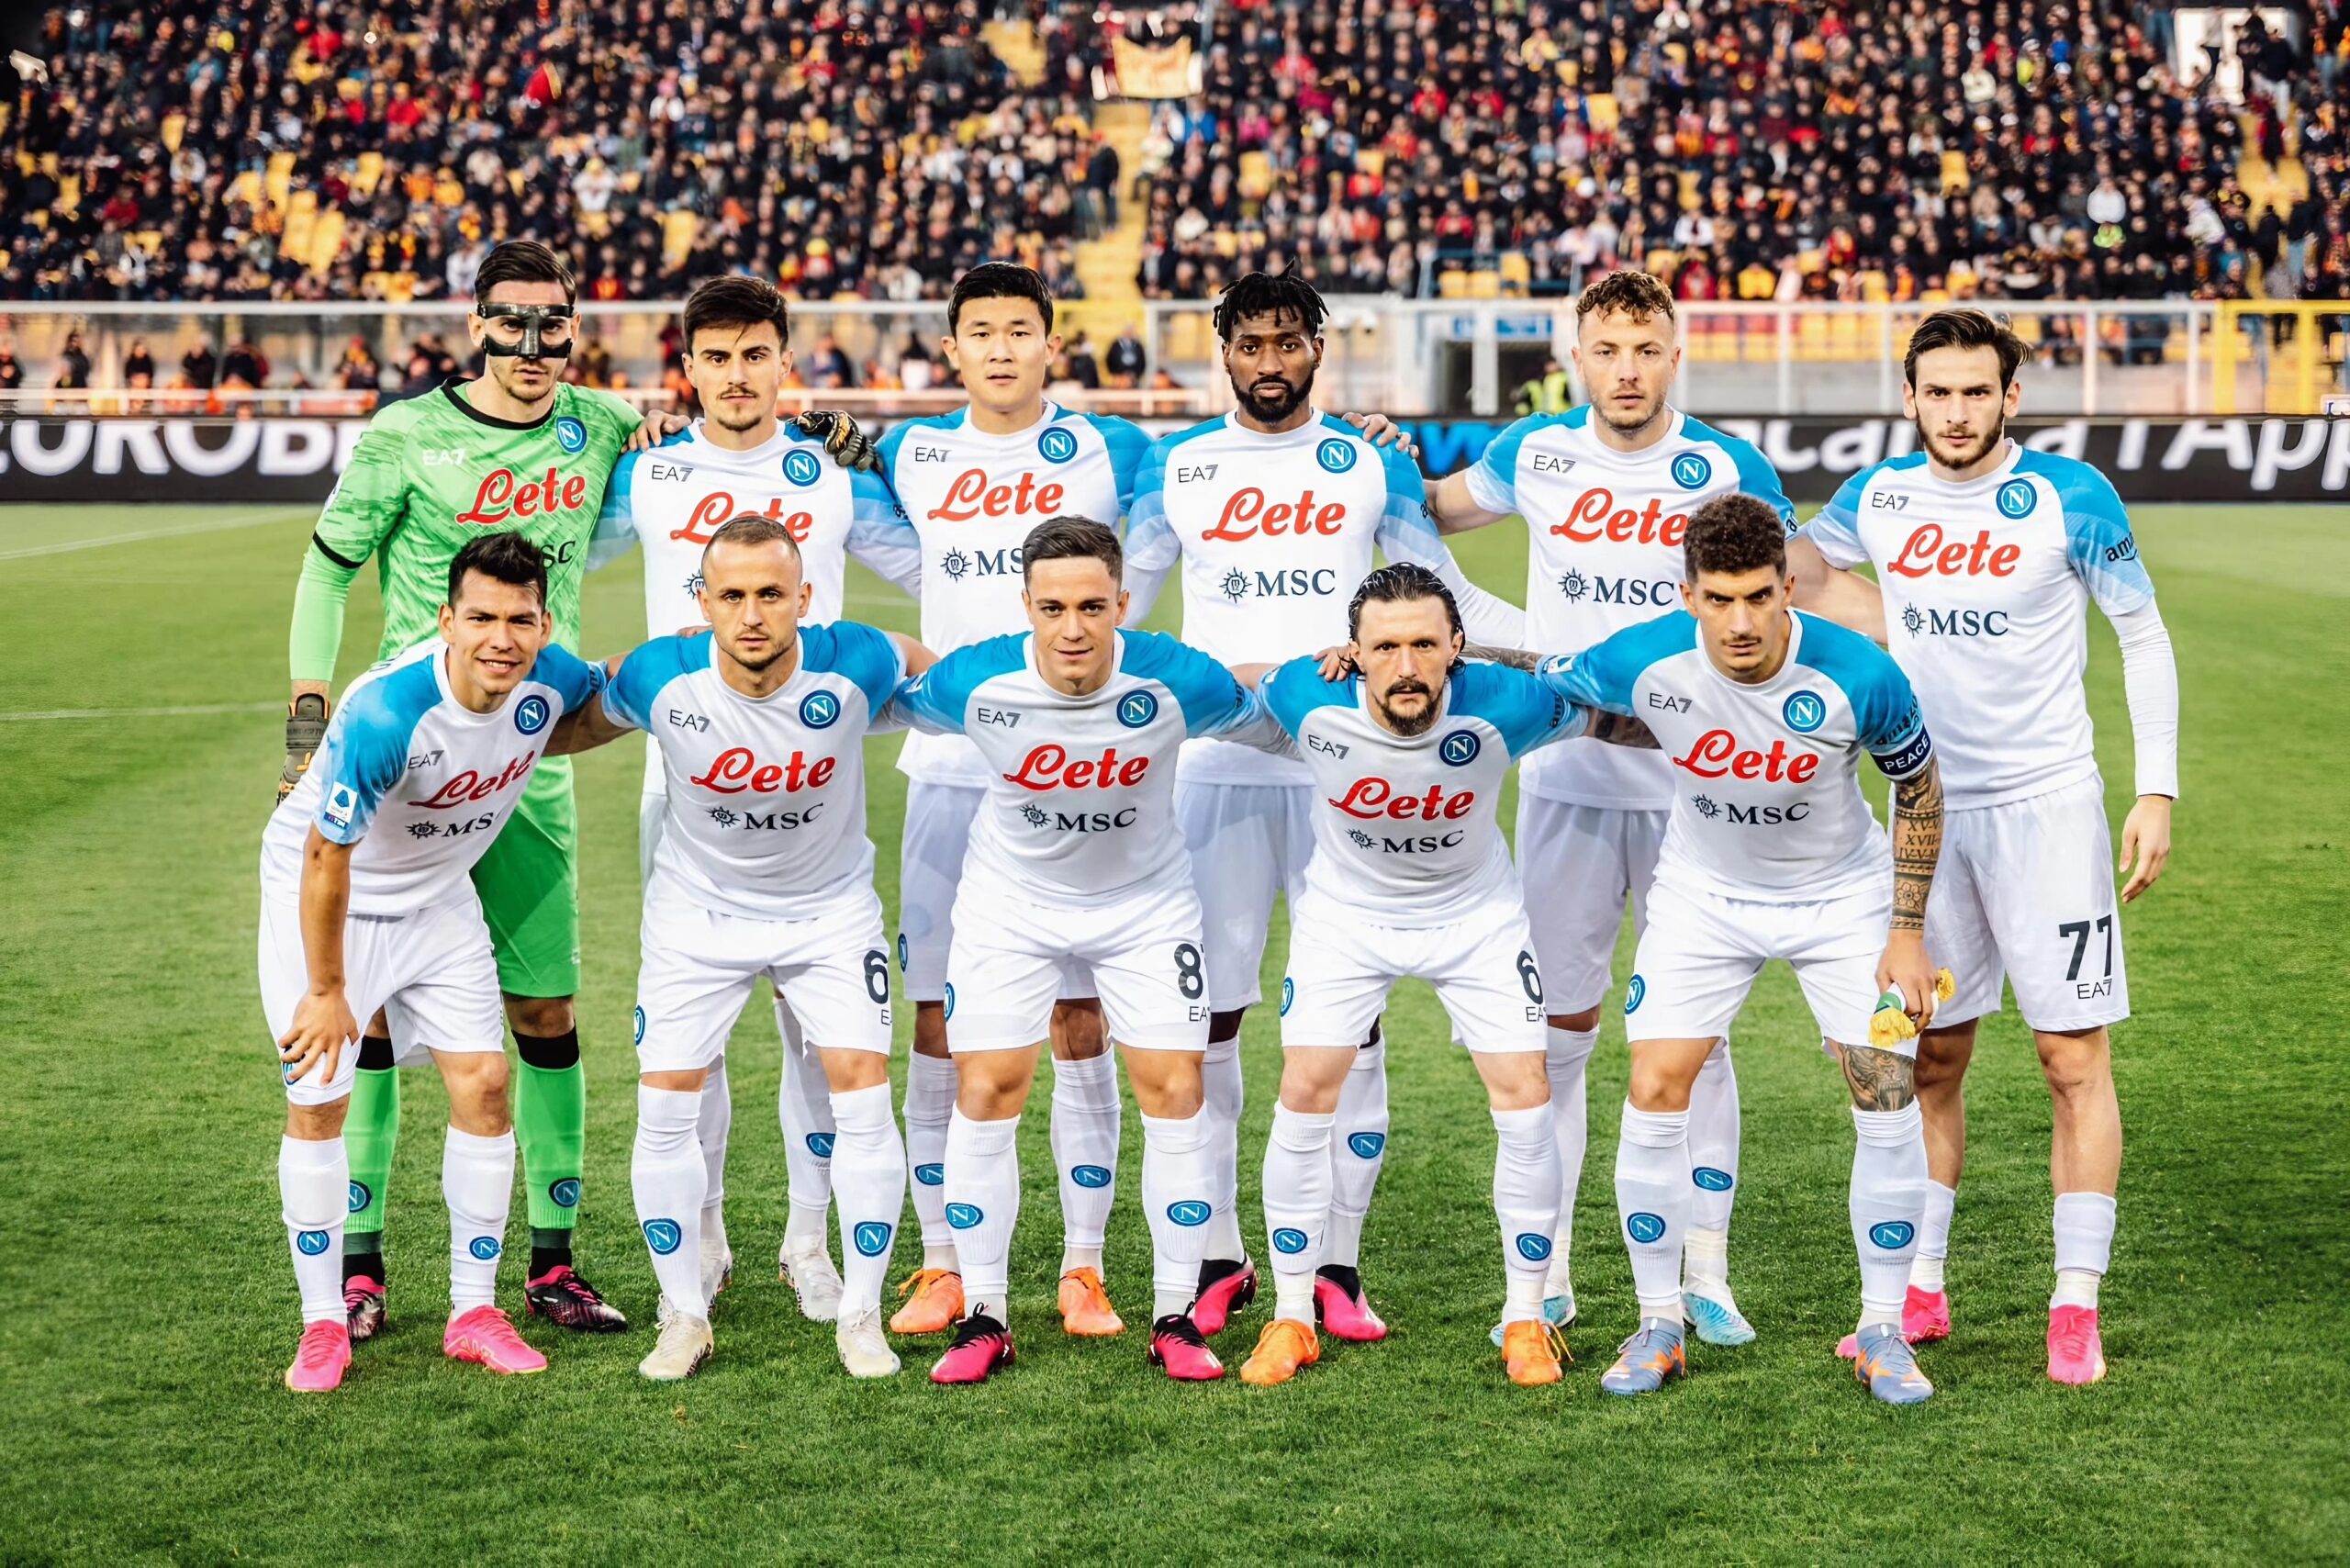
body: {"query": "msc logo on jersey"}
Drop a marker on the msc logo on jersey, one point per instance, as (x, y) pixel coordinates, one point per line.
(570, 434)
(662, 1236)
(1635, 994)
(1095, 1176)
(1805, 712)
(1335, 455)
(1055, 446)
(819, 710)
(1289, 1241)
(565, 1193)
(1953, 623)
(312, 1242)
(962, 1217)
(1289, 994)
(1188, 1212)
(1644, 1227)
(488, 1247)
(801, 467)
(2017, 498)
(1892, 1234)
(1574, 586)
(1367, 1145)
(1533, 1247)
(1460, 748)
(1137, 709)
(1691, 470)
(532, 713)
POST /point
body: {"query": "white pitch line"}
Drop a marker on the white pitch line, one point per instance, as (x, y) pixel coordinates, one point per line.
(250, 520)
(193, 710)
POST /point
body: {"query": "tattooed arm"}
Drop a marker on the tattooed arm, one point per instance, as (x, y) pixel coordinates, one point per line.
(1621, 728)
(1916, 845)
(1515, 659)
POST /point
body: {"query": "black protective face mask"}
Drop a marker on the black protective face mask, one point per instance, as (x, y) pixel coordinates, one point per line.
(532, 320)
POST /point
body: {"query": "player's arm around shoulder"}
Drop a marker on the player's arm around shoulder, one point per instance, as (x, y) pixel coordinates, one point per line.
(937, 701)
(1821, 555)
(592, 715)
(1486, 491)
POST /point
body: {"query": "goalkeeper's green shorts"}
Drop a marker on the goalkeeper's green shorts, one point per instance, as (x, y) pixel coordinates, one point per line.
(529, 884)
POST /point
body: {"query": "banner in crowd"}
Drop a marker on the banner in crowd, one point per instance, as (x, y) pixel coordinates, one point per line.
(295, 460)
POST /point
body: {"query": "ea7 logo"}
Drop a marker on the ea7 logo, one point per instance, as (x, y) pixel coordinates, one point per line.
(1003, 716)
(930, 455)
(1327, 749)
(1546, 464)
(1884, 502)
(1185, 473)
(681, 720)
(444, 456)
(1668, 701)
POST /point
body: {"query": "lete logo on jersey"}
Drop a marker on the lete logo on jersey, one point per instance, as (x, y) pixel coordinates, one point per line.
(500, 496)
(719, 508)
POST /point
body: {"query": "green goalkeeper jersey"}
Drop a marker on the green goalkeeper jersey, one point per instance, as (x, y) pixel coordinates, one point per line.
(432, 471)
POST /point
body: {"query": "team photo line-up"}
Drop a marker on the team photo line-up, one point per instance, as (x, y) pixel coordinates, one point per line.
(1098, 819)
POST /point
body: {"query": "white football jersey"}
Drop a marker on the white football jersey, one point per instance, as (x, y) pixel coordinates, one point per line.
(1275, 533)
(1079, 808)
(671, 500)
(1767, 800)
(970, 500)
(418, 783)
(1986, 588)
(1406, 830)
(1603, 533)
(766, 814)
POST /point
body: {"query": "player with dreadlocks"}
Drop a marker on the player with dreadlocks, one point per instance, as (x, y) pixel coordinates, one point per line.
(1273, 512)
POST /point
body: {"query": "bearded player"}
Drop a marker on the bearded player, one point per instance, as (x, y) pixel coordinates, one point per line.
(1606, 490)
(740, 458)
(1987, 556)
(516, 448)
(1272, 513)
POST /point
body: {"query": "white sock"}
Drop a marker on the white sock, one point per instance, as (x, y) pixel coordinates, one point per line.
(1084, 1136)
(1297, 1205)
(982, 1199)
(2084, 1246)
(478, 1180)
(313, 1194)
(1934, 1236)
(1652, 1204)
(669, 1181)
(1525, 1201)
(930, 1104)
(1887, 1200)
(1175, 1187)
(711, 1129)
(1566, 1058)
(1704, 1259)
(1713, 1148)
(1356, 1154)
(869, 1179)
(804, 1106)
(1222, 1098)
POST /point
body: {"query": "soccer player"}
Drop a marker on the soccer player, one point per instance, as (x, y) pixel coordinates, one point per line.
(974, 483)
(737, 458)
(365, 903)
(1771, 853)
(519, 448)
(1987, 555)
(1272, 513)
(762, 867)
(1606, 490)
(1076, 865)
(1410, 876)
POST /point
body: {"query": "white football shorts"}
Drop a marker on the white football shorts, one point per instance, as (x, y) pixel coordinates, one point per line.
(2025, 892)
(1248, 842)
(1013, 958)
(1483, 966)
(700, 966)
(1700, 952)
(432, 973)
(1579, 865)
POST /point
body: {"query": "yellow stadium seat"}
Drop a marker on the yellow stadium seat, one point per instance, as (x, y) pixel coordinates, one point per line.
(175, 127)
(278, 183)
(1256, 176)
(1452, 284)
(1954, 176)
(1517, 272)
(367, 175)
(1604, 110)
(69, 193)
(678, 231)
(1690, 195)
(1483, 285)
(326, 240)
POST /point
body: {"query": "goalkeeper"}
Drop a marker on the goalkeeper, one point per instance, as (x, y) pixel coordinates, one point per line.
(518, 448)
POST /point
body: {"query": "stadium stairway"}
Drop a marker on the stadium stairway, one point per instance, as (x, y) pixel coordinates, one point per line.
(1106, 266)
(1015, 43)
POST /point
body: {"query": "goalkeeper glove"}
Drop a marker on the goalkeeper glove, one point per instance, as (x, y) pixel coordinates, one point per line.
(1890, 1025)
(850, 446)
(306, 731)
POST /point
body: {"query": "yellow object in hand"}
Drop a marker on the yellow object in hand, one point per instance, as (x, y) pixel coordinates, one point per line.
(1890, 1023)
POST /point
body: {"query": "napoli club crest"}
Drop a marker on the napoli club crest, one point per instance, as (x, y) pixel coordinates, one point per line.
(1137, 709)
(531, 714)
(1691, 470)
(1055, 446)
(570, 434)
(801, 467)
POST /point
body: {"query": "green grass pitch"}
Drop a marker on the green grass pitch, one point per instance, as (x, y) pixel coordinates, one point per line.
(146, 1304)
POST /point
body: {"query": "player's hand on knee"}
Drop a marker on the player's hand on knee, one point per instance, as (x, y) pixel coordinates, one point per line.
(323, 1028)
(1380, 431)
(306, 731)
(2145, 844)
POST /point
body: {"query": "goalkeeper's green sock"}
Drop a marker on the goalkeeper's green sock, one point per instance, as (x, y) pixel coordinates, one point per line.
(550, 1127)
(369, 1131)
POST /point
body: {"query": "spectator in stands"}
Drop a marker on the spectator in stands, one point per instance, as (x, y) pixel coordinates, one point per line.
(73, 365)
(1084, 370)
(244, 368)
(1124, 361)
(358, 371)
(138, 367)
(12, 374)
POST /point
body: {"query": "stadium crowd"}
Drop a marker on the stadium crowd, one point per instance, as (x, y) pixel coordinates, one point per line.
(2021, 149)
(873, 147)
